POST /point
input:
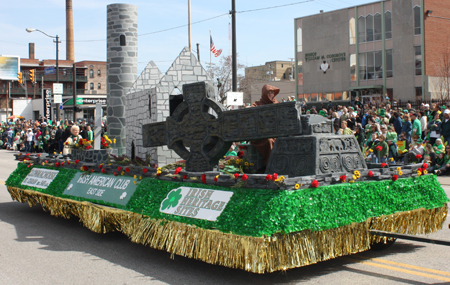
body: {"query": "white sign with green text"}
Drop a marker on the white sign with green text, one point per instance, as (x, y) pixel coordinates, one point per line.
(204, 204)
(40, 178)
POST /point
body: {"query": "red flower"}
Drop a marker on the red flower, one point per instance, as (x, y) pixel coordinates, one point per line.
(62, 163)
(215, 179)
(418, 156)
(268, 177)
(379, 148)
(204, 178)
(244, 177)
(57, 164)
(28, 166)
(127, 169)
(28, 154)
(100, 166)
(144, 170)
(39, 155)
(85, 168)
(370, 174)
(343, 178)
(119, 169)
(184, 176)
(315, 184)
(115, 173)
(178, 170)
(77, 161)
(240, 154)
(92, 169)
(424, 166)
(420, 169)
(236, 175)
(395, 177)
(103, 170)
(45, 161)
(158, 173)
(274, 176)
(383, 164)
(31, 164)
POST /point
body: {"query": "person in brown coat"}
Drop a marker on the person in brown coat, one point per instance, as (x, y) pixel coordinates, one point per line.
(265, 146)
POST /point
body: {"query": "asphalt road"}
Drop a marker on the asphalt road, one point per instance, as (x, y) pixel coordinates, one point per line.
(36, 248)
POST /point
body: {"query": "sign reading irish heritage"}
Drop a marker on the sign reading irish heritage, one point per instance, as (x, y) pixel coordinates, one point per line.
(108, 188)
(40, 178)
(204, 204)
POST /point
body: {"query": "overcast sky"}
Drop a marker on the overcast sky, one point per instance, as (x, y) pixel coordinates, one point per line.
(262, 35)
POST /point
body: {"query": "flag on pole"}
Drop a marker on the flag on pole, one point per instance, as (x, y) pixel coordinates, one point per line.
(215, 51)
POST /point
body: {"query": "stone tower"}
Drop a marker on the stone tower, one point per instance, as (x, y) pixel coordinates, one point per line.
(122, 62)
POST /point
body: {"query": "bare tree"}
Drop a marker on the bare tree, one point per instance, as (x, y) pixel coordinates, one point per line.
(222, 74)
(442, 82)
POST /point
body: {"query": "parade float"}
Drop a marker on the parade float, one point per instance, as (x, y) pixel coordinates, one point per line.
(318, 200)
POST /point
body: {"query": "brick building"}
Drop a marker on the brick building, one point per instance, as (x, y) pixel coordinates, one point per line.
(393, 47)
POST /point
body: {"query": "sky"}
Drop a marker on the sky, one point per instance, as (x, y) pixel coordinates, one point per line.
(262, 35)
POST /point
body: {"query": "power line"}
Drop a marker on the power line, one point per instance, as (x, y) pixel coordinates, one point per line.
(274, 7)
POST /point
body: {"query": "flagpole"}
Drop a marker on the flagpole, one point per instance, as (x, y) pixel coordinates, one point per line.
(210, 59)
(189, 24)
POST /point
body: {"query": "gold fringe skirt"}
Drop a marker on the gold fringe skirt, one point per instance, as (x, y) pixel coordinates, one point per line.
(254, 254)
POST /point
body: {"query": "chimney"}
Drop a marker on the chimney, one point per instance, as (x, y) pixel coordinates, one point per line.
(31, 50)
(69, 32)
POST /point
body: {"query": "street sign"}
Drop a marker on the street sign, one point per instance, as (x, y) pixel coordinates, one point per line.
(58, 88)
(49, 70)
(61, 106)
(57, 98)
(47, 103)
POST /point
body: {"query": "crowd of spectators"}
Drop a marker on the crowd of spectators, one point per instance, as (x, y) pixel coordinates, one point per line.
(42, 135)
(390, 134)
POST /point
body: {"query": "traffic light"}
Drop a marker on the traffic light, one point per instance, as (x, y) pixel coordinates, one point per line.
(33, 75)
(76, 109)
(19, 76)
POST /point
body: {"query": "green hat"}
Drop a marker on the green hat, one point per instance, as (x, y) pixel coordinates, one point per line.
(443, 107)
(322, 112)
(382, 112)
(351, 108)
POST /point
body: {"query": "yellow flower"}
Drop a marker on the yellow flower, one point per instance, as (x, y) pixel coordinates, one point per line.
(217, 176)
(158, 169)
(399, 168)
(43, 163)
(134, 182)
(371, 150)
(76, 145)
(351, 181)
(123, 173)
(282, 178)
(135, 176)
(140, 177)
(81, 168)
(419, 173)
(354, 177)
(400, 173)
(425, 171)
(158, 172)
(114, 140)
(391, 159)
(357, 172)
(247, 164)
(251, 164)
(296, 186)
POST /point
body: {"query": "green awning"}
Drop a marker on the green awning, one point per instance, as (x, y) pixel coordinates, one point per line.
(367, 87)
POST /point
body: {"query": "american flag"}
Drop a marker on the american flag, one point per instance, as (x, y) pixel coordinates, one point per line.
(215, 51)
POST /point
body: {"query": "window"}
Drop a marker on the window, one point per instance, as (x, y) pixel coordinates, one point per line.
(378, 65)
(99, 72)
(362, 66)
(91, 86)
(416, 11)
(361, 29)
(123, 40)
(91, 73)
(389, 65)
(369, 28)
(353, 67)
(330, 97)
(313, 97)
(300, 66)
(377, 27)
(388, 25)
(352, 31)
(370, 65)
(282, 65)
(338, 96)
(418, 93)
(99, 86)
(299, 40)
(418, 59)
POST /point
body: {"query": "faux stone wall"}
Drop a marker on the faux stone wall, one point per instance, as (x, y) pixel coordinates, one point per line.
(96, 156)
(138, 107)
(122, 67)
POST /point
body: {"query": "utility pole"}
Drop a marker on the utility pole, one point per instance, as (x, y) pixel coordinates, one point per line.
(189, 24)
(292, 68)
(198, 52)
(74, 92)
(233, 56)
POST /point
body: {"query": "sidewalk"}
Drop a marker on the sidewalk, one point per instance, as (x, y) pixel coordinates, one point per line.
(444, 180)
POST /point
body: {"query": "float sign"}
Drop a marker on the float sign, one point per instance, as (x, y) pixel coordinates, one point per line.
(107, 188)
(40, 178)
(197, 203)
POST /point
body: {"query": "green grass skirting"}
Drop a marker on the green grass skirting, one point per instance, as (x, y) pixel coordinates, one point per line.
(257, 213)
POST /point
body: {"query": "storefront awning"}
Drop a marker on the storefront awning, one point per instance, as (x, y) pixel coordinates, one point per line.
(367, 87)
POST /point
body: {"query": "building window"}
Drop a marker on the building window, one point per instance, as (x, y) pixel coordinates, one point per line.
(299, 40)
(370, 65)
(91, 85)
(282, 65)
(123, 40)
(389, 64)
(369, 28)
(361, 29)
(377, 27)
(352, 31)
(99, 72)
(99, 86)
(91, 73)
(416, 11)
(418, 93)
(362, 66)
(388, 25)
(353, 67)
(378, 65)
(418, 59)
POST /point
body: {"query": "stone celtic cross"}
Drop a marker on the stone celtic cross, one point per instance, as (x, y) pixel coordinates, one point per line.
(202, 137)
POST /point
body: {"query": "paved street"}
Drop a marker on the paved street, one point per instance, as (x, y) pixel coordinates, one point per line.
(37, 248)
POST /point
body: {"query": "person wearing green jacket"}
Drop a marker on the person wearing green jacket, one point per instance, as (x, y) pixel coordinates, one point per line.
(445, 167)
(382, 149)
(90, 133)
(416, 126)
(391, 139)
